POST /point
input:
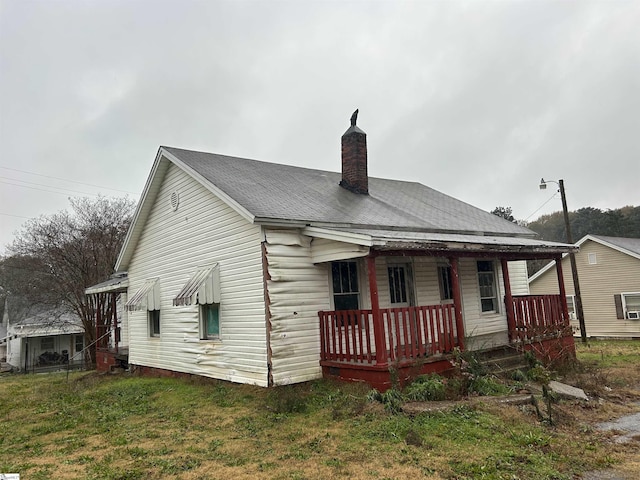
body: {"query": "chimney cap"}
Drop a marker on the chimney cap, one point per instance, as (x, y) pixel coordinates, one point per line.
(354, 118)
(354, 128)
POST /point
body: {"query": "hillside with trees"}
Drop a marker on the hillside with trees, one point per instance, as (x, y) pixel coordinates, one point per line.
(621, 222)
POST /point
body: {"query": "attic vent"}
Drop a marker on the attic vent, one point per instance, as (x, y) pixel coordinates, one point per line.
(175, 201)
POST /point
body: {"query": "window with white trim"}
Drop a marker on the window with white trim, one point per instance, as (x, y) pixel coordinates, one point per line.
(444, 282)
(46, 344)
(593, 258)
(398, 284)
(154, 322)
(487, 286)
(209, 321)
(631, 305)
(203, 289)
(79, 343)
(346, 293)
(571, 306)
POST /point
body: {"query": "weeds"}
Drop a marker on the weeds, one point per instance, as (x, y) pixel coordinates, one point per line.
(121, 427)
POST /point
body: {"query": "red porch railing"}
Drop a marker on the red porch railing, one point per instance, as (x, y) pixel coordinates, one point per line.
(409, 333)
(539, 316)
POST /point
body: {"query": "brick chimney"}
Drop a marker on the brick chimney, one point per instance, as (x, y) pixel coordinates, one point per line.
(354, 159)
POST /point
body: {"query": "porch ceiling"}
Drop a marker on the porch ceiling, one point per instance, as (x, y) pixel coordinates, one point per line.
(461, 243)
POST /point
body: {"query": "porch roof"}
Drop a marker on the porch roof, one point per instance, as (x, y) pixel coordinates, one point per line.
(386, 240)
(117, 283)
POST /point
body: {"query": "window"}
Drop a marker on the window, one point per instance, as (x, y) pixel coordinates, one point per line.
(571, 306)
(209, 321)
(593, 259)
(397, 284)
(445, 283)
(631, 305)
(154, 323)
(487, 284)
(79, 343)
(346, 293)
(46, 344)
(203, 289)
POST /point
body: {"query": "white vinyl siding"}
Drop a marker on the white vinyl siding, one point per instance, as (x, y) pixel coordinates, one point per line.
(477, 323)
(518, 277)
(615, 272)
(173, 244)
(298, 290)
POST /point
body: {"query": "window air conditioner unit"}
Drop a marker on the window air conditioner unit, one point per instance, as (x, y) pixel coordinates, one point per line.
(633, 315)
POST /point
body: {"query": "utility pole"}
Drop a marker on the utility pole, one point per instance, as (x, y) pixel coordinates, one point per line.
(574, 267)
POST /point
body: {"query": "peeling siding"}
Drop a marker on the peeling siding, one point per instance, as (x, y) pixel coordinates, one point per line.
(615, 272)
(298, 290)
(202, 231)
(323, 250)
(518, 277)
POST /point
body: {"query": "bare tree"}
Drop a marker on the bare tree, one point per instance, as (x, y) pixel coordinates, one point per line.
(64, 253)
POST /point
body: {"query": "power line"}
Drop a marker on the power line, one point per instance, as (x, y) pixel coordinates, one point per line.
(17, 216)
(537, 209)
(67, 180)
(50, 191)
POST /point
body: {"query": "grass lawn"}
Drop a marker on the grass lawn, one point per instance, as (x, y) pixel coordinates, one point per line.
(126, 427)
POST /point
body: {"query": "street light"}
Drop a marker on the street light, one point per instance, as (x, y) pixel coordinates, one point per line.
(572, 257)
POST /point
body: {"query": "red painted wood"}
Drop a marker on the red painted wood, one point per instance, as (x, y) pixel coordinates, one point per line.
(378, 324)
(508, 299)
(457, 300)
(538, 316)
(432, 328)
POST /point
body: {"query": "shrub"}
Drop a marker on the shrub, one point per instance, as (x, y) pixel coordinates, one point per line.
(426, 388)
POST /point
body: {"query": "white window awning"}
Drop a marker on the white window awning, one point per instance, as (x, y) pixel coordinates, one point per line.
(202, 288)
(147, 296)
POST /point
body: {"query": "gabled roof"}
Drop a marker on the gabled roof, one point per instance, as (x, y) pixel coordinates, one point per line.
(628, 246)
(273, 194)
(50, 322)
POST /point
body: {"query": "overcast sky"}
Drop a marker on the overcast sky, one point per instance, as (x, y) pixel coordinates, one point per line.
(476, 99)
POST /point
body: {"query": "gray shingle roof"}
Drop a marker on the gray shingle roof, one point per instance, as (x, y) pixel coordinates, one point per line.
(271, 191)
(630, 244)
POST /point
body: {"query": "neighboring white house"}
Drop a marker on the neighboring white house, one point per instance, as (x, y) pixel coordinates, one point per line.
(609, 277)
(43, 341)
(235, 266)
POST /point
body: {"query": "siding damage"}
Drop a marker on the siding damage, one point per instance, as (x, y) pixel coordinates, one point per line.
(175, 244)
(297, 289)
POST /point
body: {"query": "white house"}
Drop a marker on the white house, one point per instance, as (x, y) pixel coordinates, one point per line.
(43, 341)
(270, 274)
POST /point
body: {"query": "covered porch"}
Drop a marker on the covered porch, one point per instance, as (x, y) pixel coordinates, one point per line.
(106, 300)
(380, 345)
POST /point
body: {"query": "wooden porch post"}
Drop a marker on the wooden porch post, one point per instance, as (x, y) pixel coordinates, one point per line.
(508, 299)
(116, 334)
(457, 300)
(99, 322)
(378, 325)
(563, 292)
